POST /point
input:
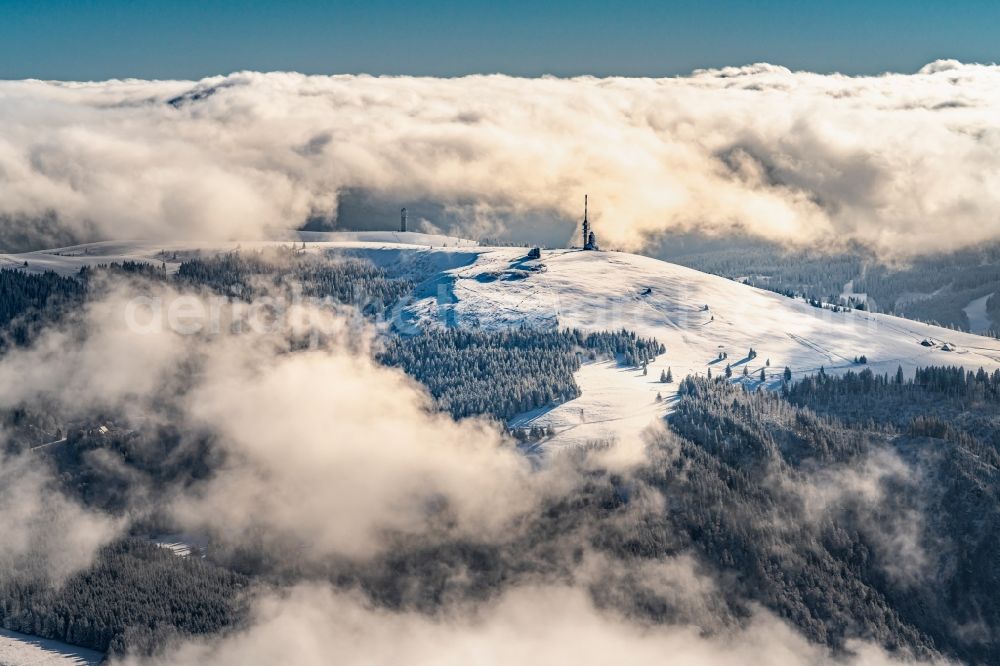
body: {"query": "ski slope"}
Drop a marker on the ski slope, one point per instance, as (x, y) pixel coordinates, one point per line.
(696, 315)
(979, 318)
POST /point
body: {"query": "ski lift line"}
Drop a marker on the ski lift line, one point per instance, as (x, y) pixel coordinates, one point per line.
(826, 352)
(47, 444)
(914, 336)
(669, 320)
(634, 413)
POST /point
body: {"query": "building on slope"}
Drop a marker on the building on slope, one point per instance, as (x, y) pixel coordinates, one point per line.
(589, 239)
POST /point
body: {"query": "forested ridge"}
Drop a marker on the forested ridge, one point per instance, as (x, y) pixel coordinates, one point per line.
(30, 301)
(762, 493)
(842, 572)
(760, 490)
(738, 474)
(852, 506)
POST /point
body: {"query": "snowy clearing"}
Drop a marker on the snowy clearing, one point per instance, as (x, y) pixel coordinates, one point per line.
(616, 402)
(182, 545)
(23, 650)
(847, 293)
(979, 320)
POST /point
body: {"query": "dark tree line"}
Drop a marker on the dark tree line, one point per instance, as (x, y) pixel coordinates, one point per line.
(134, 598)
(29, 301)
(960, 400)
(832, 576)
(127, 267)
(247, 275)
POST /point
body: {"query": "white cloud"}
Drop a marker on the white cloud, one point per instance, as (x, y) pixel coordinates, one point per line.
(903, 162)
(45, 534)
(327, 451)
(865, 488)
(555, 626)
(324, 449)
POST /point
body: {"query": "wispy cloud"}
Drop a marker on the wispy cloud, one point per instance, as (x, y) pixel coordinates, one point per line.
(545, 625)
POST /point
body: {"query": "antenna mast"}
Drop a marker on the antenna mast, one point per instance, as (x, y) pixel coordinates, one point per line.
(586, 223)
(402, 220)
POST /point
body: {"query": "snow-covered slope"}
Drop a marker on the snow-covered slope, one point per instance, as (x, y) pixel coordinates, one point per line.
(69, 260)
(979, 318)
(21, 649)
(697, 316)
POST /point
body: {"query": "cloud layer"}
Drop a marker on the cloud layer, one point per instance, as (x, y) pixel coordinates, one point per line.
(325, 450)
(556, 625)
(904, 162)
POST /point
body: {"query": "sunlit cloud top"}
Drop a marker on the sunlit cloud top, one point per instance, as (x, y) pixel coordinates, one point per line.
(904, 163)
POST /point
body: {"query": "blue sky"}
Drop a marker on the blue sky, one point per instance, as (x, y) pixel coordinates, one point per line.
(88, 39)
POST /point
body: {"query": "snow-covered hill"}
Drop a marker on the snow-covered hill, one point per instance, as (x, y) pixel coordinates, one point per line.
(696, 315)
